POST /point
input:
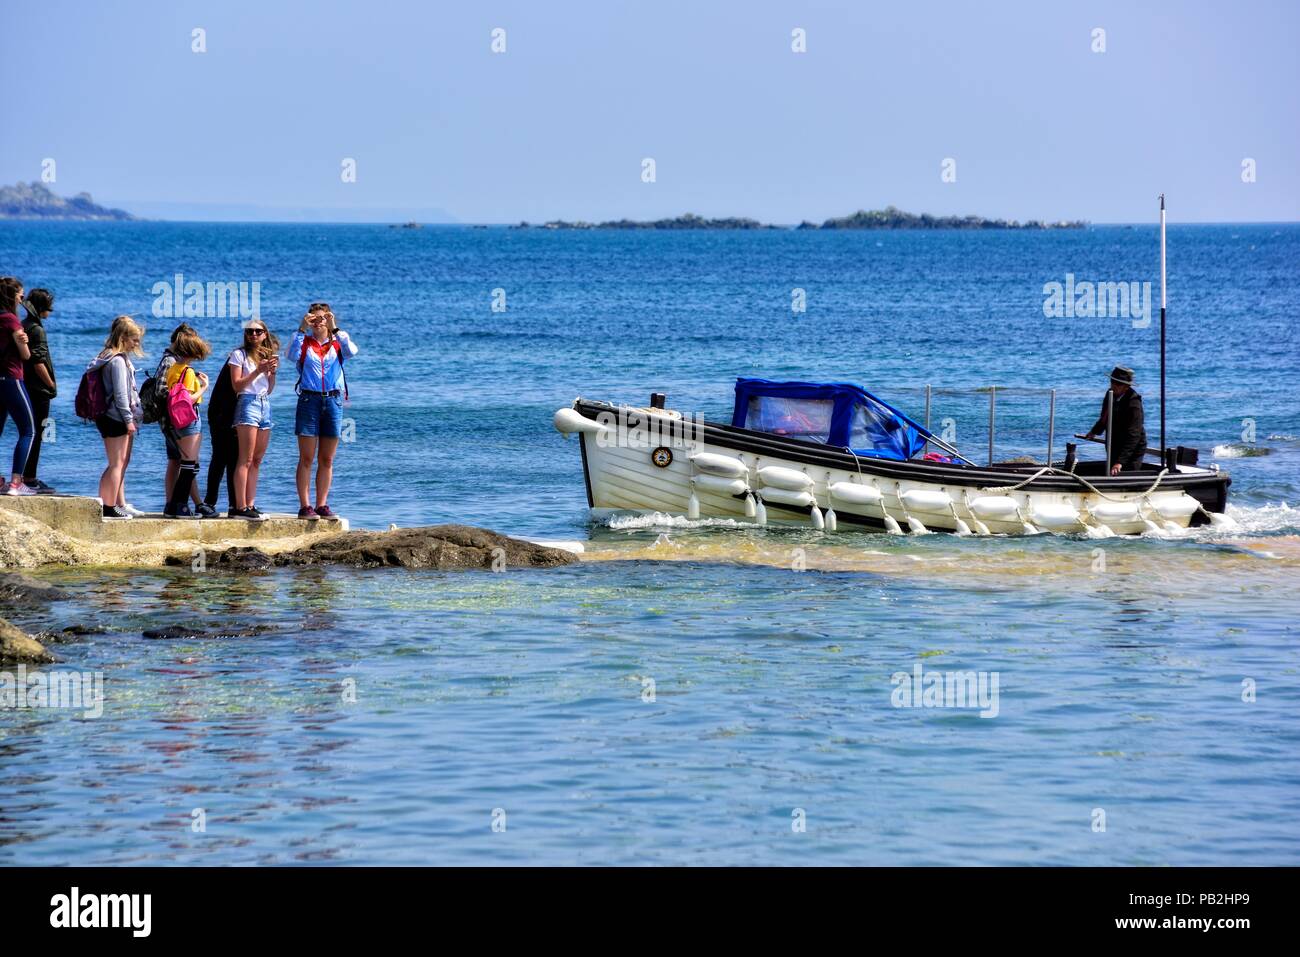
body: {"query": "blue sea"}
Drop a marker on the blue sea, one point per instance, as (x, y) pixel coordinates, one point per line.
(691, 692)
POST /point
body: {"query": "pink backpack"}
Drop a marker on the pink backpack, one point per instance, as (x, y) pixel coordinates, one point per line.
(180, 406)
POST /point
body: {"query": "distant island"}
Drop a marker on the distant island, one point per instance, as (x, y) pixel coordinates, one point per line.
(687, 221)
(888, 218)
(35, 201)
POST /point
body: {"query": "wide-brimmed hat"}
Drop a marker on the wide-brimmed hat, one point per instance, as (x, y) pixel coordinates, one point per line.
(1122, 374)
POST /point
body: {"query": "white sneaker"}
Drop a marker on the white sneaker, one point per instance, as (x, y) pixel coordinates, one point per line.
(130, 510)
(19, 488)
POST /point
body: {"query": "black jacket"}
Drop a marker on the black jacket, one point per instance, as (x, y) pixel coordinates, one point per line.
(40, 349)
(221, 401)
(1128, 440)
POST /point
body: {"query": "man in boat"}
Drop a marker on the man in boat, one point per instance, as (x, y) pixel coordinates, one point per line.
(1128, 439)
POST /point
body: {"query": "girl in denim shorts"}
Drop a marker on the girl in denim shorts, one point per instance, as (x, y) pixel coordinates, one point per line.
(252, 376)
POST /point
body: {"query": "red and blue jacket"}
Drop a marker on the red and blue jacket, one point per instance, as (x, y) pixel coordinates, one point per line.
(320, 364)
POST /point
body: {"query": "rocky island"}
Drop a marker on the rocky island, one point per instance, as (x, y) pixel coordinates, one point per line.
(36, 201)
(685, 221)
(890, 217)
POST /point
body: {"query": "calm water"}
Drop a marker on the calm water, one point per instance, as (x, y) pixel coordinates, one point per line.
(1120, 671)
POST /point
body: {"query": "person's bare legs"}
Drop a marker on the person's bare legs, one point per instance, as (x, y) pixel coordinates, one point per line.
(247, 435)
(325, 469)
(126, 461)
(306, 455)
(255, 469)
(111, 481)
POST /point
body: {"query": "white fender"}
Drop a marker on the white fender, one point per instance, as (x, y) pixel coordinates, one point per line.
(692, 506)
(760, 512)
(1098, 531)
(720, 484)
(891, 525)
(725, 465)
(1180, 507)
(568, 421)
(1220, 520)
(1000, 507)
(917, 526)
(927, 500)
(1054, 514)
(815, 515)
(854, 494)
(775, 476)
(750, 509)
(785, 496)
(960, 527)
(1114, 511)
(831, 522)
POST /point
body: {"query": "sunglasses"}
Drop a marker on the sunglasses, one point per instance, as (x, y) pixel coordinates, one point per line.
(254, 332)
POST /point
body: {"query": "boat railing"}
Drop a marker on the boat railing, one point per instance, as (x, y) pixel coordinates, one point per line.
(993, 391)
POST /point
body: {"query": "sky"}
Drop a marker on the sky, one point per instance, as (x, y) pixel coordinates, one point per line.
(1038, 122)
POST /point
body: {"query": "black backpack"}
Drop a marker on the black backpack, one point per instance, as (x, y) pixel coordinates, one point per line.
(153, 394)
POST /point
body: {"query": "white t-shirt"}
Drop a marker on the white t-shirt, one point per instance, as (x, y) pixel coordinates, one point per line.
(258, 385)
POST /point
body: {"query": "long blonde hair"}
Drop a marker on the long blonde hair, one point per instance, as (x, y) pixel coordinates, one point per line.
(267, 348)
(124, 328)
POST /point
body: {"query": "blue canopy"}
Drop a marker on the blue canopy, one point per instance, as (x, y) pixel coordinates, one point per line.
(835, 413)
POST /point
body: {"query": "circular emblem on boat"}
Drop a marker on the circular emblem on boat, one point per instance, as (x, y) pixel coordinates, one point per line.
(662, 457)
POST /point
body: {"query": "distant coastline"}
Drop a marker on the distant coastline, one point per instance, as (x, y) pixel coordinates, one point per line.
(36, 201)
(888, 218)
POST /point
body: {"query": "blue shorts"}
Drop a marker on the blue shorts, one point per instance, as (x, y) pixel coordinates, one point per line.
(253, 410)
(170, 436)
(318, 416)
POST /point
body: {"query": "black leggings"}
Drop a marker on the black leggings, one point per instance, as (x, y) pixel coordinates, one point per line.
(40, 413)
(225, 454)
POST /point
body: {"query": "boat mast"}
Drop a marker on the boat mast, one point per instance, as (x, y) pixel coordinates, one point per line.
(1162, 331)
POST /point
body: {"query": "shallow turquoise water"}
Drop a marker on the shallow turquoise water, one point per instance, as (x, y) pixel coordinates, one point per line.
(1120, 689)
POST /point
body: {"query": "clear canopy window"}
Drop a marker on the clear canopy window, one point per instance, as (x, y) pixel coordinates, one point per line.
(807, 419)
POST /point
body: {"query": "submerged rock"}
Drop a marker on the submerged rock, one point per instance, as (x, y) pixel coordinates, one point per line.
(19, 647)
(443, 547)
(196, 633)
(19, 589)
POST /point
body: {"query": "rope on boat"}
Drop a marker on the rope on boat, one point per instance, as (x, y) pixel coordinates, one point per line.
(1096, 491)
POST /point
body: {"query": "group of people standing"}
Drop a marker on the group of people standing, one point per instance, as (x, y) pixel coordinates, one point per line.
(238, 407)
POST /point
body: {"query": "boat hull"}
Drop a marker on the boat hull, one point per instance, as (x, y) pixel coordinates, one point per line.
(660, 469)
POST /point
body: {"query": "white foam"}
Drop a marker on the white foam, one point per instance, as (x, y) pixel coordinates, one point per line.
(662, 520)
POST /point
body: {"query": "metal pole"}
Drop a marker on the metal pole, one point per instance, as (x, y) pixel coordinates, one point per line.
(1051, 426)
(1162, 331)
(927, 415)
(1110, 425)
(993, 404)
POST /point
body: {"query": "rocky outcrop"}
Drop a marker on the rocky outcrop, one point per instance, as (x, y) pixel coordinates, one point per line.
(18, 647)
(36, 201)
(443, 547)
(27, 543)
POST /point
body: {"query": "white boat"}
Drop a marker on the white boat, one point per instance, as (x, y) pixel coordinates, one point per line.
(833, 455)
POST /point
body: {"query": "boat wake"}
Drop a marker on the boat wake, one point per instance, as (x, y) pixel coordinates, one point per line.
(622, 523)
(1239, 450)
